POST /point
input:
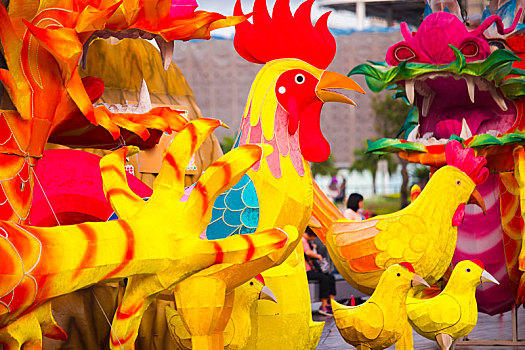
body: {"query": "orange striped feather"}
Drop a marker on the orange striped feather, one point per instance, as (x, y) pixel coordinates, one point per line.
(429, 159)
(351, 237)
(261, 243)
(171, 175)
(324, 211)
(357, 244)
(115, 184)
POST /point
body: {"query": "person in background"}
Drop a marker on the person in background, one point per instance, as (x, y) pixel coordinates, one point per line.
(354, 203)
(313, 272)
(342, 193)
(333, 190)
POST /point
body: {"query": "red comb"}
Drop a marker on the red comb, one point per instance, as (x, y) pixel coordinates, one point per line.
(285, 35)
(260, 278)
(479, 263)
(408, 266)
(465, 160)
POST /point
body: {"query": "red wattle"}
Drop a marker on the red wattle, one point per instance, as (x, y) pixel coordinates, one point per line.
(459, 215)
(314, 146)
(293, 116)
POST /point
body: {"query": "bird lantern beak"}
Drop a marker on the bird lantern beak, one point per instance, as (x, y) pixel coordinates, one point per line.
(266, 294)
(330, 80)
(487, 277)
(476, 198)
(419, 281)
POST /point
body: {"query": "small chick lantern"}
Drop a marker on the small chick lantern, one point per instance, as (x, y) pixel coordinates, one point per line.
(376, 323)
(454, 312)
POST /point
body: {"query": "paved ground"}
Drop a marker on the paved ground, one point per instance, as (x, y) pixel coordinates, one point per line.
(488, 327)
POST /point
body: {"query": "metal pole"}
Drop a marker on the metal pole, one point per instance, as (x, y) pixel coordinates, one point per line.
(514, 315)
(360, 13)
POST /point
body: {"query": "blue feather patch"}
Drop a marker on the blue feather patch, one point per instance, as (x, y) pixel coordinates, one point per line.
(235, 211)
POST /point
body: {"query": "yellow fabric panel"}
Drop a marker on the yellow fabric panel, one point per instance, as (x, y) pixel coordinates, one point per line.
(123, 66)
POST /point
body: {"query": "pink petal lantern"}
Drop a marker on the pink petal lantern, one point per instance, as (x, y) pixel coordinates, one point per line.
(182, 8)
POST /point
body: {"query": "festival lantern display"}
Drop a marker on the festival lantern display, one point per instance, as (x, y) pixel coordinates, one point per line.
(376, 323)
(153, 244)
(238, 323)
(46, 98)
(220, 245)
(283, 110)
(454, 312)
(466, 87)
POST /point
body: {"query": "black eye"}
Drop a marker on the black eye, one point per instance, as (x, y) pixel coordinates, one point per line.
(398, 274)
(299, 78)
(251, 283)
(468, 270)
(497, 45)
(458, 182)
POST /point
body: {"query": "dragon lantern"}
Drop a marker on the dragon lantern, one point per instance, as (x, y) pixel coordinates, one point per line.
(43, 43)
(467, 85)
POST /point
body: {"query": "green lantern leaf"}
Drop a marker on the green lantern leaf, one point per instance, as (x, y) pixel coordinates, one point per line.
(459, 64)
(496, 67)
(410, 123)
(485, 140)
(393, 146)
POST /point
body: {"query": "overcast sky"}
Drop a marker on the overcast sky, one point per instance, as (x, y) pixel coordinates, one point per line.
(340, 19)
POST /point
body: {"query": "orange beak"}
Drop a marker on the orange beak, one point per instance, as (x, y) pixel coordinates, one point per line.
(477, 199)
(330, 80)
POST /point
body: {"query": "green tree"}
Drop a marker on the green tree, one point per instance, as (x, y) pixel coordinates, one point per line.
(420, 174)
(325, 168)
(227, 143)
(390, 115)
(365, 161)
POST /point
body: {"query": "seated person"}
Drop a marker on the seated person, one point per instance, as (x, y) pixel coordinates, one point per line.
(313, 272)
(354, 203)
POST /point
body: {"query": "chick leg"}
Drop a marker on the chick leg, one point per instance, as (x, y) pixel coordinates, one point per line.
(444, 341)
(363, 347)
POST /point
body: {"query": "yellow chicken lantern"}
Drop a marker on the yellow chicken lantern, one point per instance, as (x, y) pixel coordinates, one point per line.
(375, 324)
(239, 327)
(454, 312)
